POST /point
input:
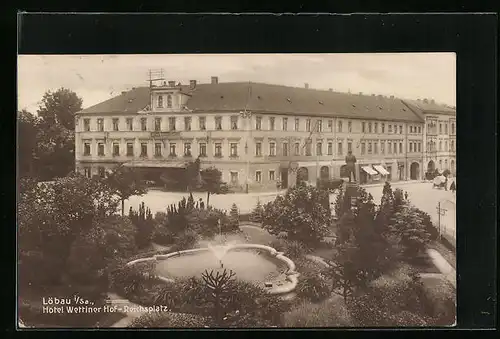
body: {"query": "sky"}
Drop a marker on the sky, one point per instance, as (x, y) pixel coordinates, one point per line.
(96, 78)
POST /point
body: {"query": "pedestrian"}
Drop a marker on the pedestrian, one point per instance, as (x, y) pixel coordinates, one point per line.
(202, 204)
(406, 195)
(453, 187)
(446, 183)
(197, 204)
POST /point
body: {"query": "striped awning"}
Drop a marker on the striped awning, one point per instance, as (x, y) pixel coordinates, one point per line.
(381, 169)
(369, 170)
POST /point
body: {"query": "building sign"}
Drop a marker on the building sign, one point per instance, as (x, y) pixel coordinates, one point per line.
(164, 135)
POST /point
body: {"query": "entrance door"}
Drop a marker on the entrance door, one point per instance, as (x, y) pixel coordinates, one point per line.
(284, 178)
(414, 171)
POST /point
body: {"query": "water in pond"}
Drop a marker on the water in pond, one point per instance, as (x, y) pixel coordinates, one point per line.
(247, 265)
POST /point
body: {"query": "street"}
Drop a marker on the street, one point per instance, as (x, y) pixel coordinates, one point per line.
(421, 194)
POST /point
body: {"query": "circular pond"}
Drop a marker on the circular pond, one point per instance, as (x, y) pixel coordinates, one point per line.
(251, 266)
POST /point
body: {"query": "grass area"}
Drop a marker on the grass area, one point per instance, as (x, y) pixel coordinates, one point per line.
(256, 235)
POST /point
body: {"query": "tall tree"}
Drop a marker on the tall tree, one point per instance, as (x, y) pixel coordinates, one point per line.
(52, 215)
(211, 182)
(27, 142)
(59, 107)
(56, 133)
(126, 182)
(193, 177)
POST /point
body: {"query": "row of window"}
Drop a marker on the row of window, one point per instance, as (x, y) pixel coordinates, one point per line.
(202, 125)
(431, 146)
(258, 176)
(432, 128)
(366, 148)
(392, 147)
(234, 175)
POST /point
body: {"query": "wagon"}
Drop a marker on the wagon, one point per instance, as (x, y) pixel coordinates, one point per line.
(439, 182)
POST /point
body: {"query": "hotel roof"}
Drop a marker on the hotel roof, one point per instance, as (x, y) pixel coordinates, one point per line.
(267, 98)
(421, 107)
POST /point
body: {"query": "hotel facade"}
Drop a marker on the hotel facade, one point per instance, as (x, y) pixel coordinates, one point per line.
(262, 136)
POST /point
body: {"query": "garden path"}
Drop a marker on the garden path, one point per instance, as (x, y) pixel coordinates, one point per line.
(130, 316)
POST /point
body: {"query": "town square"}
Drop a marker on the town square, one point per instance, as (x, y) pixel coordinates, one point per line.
(226, 191)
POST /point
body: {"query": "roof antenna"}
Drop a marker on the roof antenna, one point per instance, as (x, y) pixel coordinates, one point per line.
(155, 75)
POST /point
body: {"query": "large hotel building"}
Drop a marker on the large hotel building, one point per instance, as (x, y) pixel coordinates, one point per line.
(259, 135)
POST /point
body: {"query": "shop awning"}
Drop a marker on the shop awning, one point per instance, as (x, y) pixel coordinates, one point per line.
(369, 170)
(155, 164)
(381, 169)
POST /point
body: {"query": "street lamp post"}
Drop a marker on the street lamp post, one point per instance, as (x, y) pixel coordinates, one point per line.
(441, 212)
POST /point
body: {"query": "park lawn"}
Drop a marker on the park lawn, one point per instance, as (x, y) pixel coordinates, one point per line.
(257, 235)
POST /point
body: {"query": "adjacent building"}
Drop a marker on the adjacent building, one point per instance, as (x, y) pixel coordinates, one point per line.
(440, 134)
(261, 135)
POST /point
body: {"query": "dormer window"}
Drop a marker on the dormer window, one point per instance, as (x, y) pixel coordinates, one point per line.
(160, 101)
(169, 101)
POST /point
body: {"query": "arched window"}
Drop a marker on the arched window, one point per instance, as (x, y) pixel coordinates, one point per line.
(160, 101)
(169, 101)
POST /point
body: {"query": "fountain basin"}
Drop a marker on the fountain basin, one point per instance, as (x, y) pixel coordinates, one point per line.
(259, 264)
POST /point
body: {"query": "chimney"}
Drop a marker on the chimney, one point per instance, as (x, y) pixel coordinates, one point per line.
(392, 96)
(215, 80)
(306, 85)
(192, 84)
(426, 101)
(330, 89)
(432, 101)
(165, 83)
(373, 95)
(123, 92)
(171, 84)
(360, 93)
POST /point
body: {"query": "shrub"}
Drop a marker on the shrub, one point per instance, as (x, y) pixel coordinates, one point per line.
(169, 320)
(257, 213)
(439, 300)
(303, 212)
(144, 223)
(241, 304)
(184, 241)
(234, 216)
(391, 300)
(92, 252)
(290, 248)
(407, 225)
(313, 287)
(162, 236)
(306, 266)
(129, 280)
(329, 313)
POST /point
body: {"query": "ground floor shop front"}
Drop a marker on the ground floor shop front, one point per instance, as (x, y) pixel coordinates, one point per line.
(271, 175)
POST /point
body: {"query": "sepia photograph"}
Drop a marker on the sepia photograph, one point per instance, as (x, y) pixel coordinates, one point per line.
(236, 190)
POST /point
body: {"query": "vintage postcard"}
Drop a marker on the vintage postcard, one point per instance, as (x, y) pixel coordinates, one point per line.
(237, 191)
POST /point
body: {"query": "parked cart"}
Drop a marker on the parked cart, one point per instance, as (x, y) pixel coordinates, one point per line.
(439, 182)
